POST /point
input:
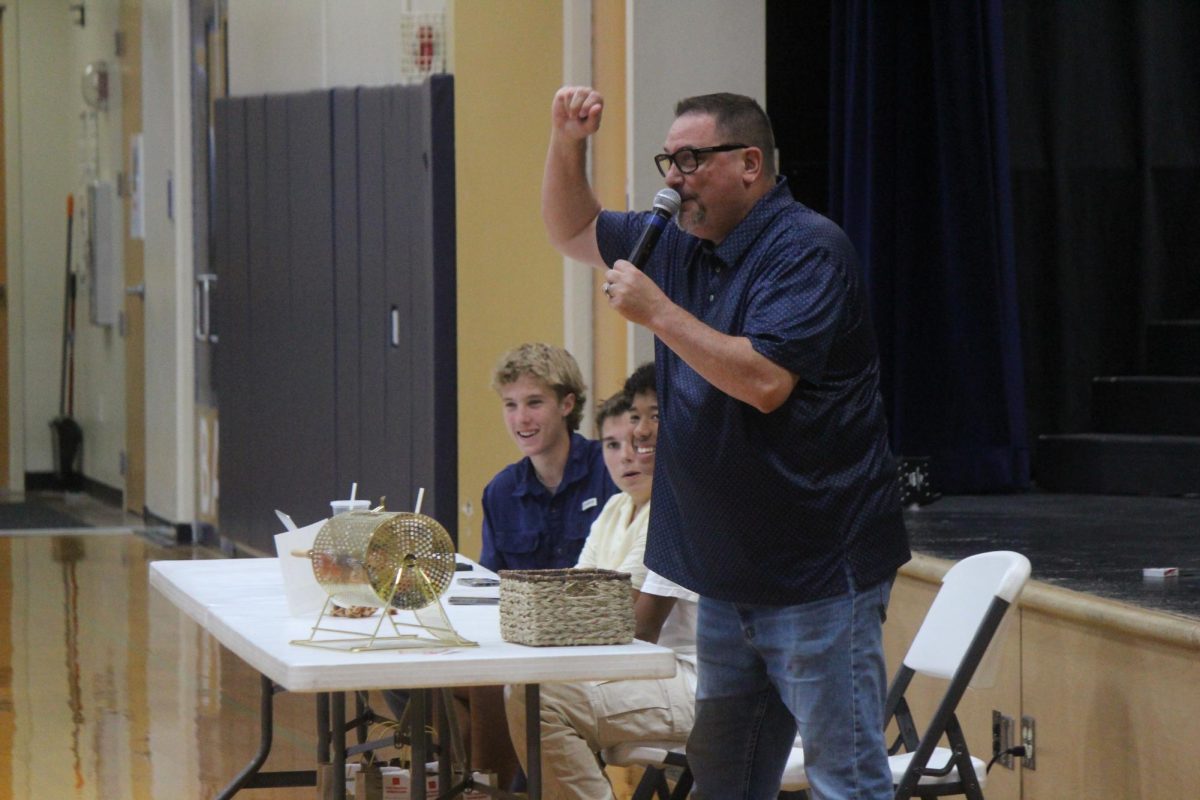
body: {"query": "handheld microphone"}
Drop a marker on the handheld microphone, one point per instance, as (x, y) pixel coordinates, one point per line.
(666, 206)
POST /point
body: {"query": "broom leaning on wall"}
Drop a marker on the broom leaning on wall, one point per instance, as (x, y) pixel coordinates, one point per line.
(65, 433)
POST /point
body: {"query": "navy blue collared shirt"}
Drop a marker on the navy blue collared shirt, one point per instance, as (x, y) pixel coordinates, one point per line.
(526, 527)
(777, 508)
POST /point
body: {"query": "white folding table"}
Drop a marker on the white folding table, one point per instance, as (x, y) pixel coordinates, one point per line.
(241, 602)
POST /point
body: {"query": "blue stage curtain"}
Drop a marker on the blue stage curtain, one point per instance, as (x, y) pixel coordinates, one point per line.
(919, 179)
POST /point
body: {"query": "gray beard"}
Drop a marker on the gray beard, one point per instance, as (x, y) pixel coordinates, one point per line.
(689, 221)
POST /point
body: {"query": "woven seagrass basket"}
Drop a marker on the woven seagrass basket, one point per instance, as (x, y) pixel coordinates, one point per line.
(546, 607)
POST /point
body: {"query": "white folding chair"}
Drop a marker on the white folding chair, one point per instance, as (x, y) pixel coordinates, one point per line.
(656, 758)
(951, 644)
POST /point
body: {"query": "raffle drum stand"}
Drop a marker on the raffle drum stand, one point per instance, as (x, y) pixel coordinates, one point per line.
(385, 560)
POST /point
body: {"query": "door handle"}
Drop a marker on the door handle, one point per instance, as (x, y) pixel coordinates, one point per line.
(202, 307)
(136, 290)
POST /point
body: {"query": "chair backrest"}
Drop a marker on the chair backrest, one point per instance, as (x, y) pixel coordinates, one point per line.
(969, 590)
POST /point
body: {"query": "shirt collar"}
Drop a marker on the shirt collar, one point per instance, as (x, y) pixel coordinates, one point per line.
(575, 468)
(743, 236)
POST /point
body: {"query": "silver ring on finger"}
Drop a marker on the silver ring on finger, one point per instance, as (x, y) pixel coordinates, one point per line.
(607, 286)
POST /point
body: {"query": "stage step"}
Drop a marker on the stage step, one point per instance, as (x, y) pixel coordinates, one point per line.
(1173, 347)
(1149, 404)
(1107, 463)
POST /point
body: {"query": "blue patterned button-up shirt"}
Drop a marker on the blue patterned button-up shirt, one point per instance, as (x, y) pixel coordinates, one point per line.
(775, 508)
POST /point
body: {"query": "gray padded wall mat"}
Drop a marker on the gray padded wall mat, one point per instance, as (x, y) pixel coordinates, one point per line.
(331, 208)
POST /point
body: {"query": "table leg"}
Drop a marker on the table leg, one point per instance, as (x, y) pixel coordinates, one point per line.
(324, 735)
(445, 749)
(250, 777)
(419, 742)
(360, 714)
(266, 731)
(533, 739)
(338, 726)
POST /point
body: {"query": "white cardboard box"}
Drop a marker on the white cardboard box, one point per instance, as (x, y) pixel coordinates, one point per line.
(397, 783)
(352, 768)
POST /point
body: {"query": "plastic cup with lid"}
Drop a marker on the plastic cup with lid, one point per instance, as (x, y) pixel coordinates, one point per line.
(342, 506)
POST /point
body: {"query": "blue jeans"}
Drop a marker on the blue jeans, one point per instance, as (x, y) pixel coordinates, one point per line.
(765, 671)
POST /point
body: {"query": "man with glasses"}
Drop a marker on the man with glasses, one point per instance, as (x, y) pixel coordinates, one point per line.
(775, 496)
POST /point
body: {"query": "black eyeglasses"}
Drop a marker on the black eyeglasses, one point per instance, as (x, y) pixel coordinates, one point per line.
(687, 159)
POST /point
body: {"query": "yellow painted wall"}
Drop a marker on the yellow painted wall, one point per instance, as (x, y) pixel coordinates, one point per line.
(507, 64)
(8, 716)
(608, 171)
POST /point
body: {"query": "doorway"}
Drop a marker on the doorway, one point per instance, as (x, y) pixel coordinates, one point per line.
(134, 462)
(4, 465)
(209, 81)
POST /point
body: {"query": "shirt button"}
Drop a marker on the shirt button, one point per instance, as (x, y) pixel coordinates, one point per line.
(558, 551)
(710, 297)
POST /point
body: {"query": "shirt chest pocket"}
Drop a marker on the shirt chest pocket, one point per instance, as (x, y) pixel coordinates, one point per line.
(521, 541)
(578, 518)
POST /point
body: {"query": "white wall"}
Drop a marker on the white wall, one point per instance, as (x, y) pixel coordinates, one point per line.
(167, 168)
(280, 46)
(49, 155)
(724, 50)
(43, 173)
(99, 350)
(14, 391)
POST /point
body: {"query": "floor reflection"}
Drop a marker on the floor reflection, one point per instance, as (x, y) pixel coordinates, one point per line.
(108, 691)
